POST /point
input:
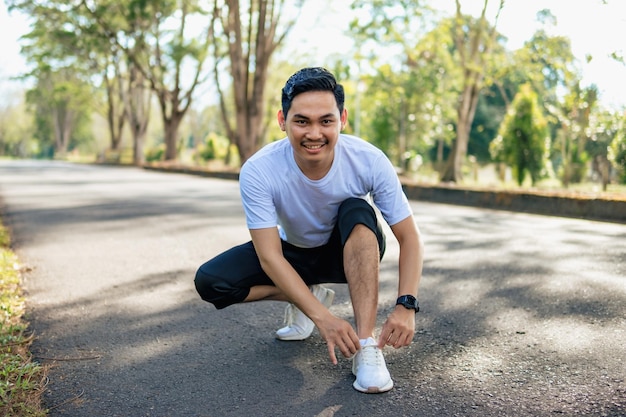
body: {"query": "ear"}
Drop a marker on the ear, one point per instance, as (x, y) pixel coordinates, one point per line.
(344, 118)
(280, 117)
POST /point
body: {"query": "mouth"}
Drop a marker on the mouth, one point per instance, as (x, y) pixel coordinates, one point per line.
(313, 146)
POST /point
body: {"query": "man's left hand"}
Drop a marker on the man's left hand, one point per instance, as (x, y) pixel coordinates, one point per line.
(399, 328)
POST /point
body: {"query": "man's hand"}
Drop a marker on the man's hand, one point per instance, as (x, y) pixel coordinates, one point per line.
(399, 328)
(338, 333)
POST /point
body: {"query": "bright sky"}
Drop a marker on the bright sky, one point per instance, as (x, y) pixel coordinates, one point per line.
(594, 28)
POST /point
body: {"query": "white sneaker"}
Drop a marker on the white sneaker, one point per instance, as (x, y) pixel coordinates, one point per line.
(370, 369)
(299, 326)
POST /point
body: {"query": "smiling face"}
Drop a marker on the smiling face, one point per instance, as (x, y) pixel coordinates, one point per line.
(313, 125)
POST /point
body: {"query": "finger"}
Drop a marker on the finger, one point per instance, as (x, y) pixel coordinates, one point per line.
(331, 353)
(347, 350)
(383, 339)
(404, 340)
(354, 344)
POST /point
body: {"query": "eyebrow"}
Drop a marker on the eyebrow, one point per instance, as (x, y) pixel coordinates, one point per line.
(325, 116)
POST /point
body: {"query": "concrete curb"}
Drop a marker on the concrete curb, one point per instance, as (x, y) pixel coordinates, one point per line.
(552, 204)
(582, 207)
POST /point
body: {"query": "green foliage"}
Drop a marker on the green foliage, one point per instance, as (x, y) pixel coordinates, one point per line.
(490, 112)
(406, 106)
(20, 378)
(403, 82)
(215, 147)
(62, 106)
(617, 149)
(155, 153)
(16, 129)
(548, 62)
(574, 117)
(523, 135)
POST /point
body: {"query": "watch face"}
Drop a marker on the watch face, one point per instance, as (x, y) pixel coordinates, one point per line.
(409, 301)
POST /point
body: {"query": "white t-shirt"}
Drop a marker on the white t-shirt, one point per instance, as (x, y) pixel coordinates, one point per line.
(276, 193)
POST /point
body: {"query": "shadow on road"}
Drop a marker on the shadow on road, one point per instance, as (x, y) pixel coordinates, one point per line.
(521, 315)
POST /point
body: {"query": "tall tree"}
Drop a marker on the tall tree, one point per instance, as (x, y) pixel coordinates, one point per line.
(474, 42)
(617, 150)
(251, 31)
(61, 101)
(75, 35)
(574, 115)
(62, 97)
(137, 103)
(161, 43)
(523, 136)
(407, 99)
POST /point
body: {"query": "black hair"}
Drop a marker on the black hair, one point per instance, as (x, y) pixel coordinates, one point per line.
(311, 79)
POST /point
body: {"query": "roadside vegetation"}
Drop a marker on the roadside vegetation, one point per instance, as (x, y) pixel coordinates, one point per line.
(442, 93)
(22, 380)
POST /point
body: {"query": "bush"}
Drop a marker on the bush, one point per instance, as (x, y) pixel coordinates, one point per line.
(156, 153)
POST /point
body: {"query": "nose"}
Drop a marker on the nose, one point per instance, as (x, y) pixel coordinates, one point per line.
(315, 132)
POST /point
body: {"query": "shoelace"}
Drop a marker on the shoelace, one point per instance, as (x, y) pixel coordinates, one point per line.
(370, 355)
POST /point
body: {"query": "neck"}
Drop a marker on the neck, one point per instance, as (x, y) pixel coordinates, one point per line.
(315, 170)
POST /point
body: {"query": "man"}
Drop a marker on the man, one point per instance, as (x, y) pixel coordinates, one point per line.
(306, 200)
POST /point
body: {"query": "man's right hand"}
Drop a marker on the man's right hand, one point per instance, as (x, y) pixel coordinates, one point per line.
(338, 333)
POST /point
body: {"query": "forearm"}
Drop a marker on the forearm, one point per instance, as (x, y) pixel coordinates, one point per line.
(411, 258)
(410, 269)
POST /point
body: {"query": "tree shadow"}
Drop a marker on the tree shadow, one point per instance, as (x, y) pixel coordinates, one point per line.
(519, 316)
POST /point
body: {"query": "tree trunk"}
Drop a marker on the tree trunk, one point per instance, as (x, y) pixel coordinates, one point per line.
(63, 125)
(249, 53)
(473, 54)
(171, 125)
(115, 111)
(137, 99)
(466, 110)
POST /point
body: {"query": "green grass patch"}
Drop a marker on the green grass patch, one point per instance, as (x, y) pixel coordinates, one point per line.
(21, 379)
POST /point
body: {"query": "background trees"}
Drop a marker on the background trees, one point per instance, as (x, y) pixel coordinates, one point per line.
(521, 143)
(252, 31)
(431, 90)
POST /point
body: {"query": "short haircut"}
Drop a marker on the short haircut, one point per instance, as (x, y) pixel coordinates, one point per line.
(311, 79)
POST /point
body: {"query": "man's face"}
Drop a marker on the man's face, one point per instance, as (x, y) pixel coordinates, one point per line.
(313, 125)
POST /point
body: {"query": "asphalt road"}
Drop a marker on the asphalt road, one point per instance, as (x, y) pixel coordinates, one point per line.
(521, 315)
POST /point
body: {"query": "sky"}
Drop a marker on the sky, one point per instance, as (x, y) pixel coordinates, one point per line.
(595, 29)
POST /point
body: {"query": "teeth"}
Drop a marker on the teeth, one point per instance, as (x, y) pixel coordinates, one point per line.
(313, 146)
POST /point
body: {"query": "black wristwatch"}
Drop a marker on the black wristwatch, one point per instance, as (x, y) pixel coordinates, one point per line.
(408, 301)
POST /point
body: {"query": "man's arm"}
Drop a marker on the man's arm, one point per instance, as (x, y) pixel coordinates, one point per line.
(399, 328)
(335, 331)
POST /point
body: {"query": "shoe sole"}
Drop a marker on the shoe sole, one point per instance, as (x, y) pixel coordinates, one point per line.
(373, 390)
(293, 338)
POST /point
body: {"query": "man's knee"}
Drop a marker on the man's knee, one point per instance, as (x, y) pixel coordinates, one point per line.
(357, 219)
(212, 288)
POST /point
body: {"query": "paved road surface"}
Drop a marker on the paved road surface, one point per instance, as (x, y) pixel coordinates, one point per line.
(522, 315)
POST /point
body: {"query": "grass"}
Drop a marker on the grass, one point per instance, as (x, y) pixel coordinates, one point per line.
(21, 379)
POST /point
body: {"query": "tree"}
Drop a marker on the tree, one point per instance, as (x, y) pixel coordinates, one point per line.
(617, 149)
(407, 89)
(160, 42)
(137, 104)
(250, 33)
(16, 126)
(574, 115)
(523, 136)
(62, 102)
(474, 42)
(71, 36)
(605, 129)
